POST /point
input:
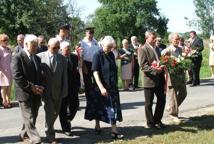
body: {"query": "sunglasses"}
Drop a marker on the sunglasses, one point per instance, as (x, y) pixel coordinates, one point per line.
(4, 40)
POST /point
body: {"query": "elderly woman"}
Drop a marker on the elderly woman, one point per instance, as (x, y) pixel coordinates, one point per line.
(211, 57)
(126, 56)
(176, 88)
(104, 103)
(5, 70)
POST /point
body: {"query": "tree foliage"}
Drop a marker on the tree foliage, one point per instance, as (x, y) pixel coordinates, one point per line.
(205, 13)
(122, 19)
(32, 16)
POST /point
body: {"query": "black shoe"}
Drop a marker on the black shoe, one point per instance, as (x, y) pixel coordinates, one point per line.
(98, 131)
(193, 85)
(116, 136)
(189, 82)
(151, 126)
(161, 125)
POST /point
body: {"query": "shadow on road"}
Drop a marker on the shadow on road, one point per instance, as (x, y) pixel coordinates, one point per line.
(83, 135)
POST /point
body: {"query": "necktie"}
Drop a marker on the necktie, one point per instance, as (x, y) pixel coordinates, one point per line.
(53, 62)
(33, 62)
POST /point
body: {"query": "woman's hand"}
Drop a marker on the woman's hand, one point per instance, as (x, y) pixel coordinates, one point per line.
(104, 92)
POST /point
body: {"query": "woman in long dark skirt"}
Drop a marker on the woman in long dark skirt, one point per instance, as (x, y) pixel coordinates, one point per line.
(104, 102)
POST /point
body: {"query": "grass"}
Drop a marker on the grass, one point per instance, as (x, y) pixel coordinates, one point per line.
(198, 130)
(205, 68)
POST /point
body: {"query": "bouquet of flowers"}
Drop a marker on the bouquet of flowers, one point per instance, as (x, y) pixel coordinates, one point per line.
(175, 66)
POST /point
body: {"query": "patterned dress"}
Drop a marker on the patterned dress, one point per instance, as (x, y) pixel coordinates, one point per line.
(5, 60)
(106, 109)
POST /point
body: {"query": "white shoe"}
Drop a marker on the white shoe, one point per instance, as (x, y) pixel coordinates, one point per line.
(175, 119)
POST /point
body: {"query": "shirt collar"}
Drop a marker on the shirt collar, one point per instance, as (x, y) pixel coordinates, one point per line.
(28, 54)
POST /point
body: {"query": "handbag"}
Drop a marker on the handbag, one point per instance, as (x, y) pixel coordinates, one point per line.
(111, 111)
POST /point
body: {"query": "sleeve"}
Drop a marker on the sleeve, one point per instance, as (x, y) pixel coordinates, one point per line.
(144, 62)
(200, 45)
(96, 62)
(18, 74)
(64, 79)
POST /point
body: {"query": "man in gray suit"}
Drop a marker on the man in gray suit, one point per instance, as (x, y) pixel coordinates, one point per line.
(54, 68)
(27, 76)
(153, 81)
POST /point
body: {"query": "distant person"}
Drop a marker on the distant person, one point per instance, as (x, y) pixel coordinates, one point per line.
(41, 44)
(126, 56)
(211, 57)
(64, 33)
(159, 45)
(70, 103)
(5, 70)
(29, 87)
(135, 45)
(104, 102)
(154, 81)
(54, 67)
(197, 47)
(20, 43)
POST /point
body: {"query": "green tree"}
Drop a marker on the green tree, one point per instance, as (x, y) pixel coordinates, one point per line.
(205, 16)
(122, 19)
(32, 16)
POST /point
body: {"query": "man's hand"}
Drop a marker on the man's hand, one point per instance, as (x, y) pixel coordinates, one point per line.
(38, 90)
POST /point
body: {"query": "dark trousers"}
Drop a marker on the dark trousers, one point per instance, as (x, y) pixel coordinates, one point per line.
(159, 109)
(136, 72)
(88, 78)
(194, 73)
(69, 107)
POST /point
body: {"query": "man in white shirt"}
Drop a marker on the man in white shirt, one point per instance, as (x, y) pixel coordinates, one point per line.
(89, 48)
(64, 33)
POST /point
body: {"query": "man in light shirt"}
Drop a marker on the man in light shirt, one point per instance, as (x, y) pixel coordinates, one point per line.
(89, 48)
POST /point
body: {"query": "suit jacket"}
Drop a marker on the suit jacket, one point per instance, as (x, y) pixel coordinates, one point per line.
(197, 45)
(25, 74)
(18, 48)
(56, 84)
(145, 58)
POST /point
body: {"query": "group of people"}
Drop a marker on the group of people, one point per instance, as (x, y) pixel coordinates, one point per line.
(53, 74)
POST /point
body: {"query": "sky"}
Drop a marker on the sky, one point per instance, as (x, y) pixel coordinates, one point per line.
(174, 10)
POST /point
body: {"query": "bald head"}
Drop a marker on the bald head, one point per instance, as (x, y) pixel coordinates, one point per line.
(53, 45)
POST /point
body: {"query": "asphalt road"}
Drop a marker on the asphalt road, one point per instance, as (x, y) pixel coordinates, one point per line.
(83, 130)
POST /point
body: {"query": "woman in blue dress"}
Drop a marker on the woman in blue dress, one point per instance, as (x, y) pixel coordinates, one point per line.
(104, 102)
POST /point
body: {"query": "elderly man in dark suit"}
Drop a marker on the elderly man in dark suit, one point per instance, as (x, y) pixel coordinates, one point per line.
(197, 46)
(27, 75)
(54, 68)
(70, 104)
(153, 81)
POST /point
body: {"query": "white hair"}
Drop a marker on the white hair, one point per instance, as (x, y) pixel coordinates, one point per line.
(29, 38)
(133, 38)
(148, 33)
(64, 44)
(124, 41)
(212, 37)
(171, 36)
(53, 41)
(107, 40)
